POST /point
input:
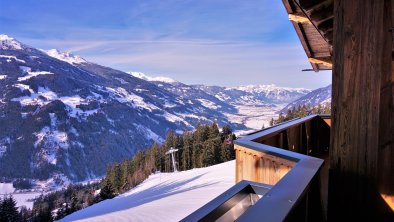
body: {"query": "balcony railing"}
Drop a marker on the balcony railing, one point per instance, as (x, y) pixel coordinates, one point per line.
(286, 159)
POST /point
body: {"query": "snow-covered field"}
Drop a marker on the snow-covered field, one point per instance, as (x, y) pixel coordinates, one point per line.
(6, 188)
(22, 199)
(163, 196)
(254, 117)
(25, 199)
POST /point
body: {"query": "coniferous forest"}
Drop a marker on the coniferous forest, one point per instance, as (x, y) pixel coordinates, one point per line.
(301, 111)
(206, 146)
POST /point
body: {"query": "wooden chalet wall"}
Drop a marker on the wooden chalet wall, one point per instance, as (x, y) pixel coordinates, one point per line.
(309, 138)
(361, 152)
(260, 167)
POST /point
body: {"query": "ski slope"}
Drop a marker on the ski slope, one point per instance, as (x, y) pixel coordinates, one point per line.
(163, 196)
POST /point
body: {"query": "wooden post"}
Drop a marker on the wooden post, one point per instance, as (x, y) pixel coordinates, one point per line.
(360, 49)
(386, 130)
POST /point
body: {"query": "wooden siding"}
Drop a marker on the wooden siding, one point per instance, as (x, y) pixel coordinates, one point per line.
(309, 138)
(260, 167)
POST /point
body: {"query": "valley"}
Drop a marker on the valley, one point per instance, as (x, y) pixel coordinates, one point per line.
(64, 119)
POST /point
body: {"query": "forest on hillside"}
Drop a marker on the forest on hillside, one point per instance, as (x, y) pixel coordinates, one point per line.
(301, 111)
(205, 146)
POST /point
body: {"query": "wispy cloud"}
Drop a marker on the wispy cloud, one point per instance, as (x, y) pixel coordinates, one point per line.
(224, 42)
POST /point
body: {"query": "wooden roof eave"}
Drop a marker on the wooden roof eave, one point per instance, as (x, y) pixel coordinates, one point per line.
(301, 34)
(315, 43)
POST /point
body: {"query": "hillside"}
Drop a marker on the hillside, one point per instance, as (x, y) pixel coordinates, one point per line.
(317, 97)
(254, 105)
(163, 196)
(63, 116)
(60, 114)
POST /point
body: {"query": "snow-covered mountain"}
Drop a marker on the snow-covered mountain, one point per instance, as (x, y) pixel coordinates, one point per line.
(250, 94)
(65, 56)
(274, 93)
(312, 99)
(252, 106)
(152, 79)
(63, 115)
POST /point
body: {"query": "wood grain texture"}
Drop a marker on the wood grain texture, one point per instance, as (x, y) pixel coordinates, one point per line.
(360, 47)
(260, 167)
(386, 130)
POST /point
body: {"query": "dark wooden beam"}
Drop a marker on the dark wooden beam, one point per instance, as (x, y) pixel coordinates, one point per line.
(360, 51)
(310, 4)
(329, 35)
(326, 25)
(322, 13)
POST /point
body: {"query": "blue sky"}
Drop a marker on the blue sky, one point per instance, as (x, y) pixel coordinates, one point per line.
(214, 42)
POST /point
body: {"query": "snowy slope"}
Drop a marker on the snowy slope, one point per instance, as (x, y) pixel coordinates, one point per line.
(65, 56)
(163, 196)
(60, 114)
(152, 79)
(313, 99)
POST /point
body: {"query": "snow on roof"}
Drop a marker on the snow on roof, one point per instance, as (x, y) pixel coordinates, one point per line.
(163, 196)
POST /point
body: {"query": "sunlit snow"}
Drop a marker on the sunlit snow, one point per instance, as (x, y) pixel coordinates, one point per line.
(65, 56)
(141, 75)
(163, 196)
(33, 74)
(208, 104)
(10, 43)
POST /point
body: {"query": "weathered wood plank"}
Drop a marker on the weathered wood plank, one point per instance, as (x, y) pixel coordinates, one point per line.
(359, 47)
(260, 167)
(386, 125)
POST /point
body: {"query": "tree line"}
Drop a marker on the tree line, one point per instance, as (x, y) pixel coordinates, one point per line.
(301, 111)
(204, 147)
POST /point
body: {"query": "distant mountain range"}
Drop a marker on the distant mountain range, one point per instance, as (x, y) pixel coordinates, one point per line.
(313, 99)
(63, 115)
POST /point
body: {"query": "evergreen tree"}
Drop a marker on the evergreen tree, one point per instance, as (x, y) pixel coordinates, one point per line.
(226, 130)
(187, 151)
(107, 191)
(62, 211)
(8, 210)
(213, 131)
(272, 122)
(24, 214)
(225, 153)
(43, 214)
(74, 203)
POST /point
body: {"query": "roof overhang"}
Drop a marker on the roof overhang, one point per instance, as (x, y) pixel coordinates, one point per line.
(313, 23)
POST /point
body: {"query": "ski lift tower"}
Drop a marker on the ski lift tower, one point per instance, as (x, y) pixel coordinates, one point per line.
(172, 152)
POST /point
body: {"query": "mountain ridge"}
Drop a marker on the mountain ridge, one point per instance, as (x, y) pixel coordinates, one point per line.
(63, 115)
